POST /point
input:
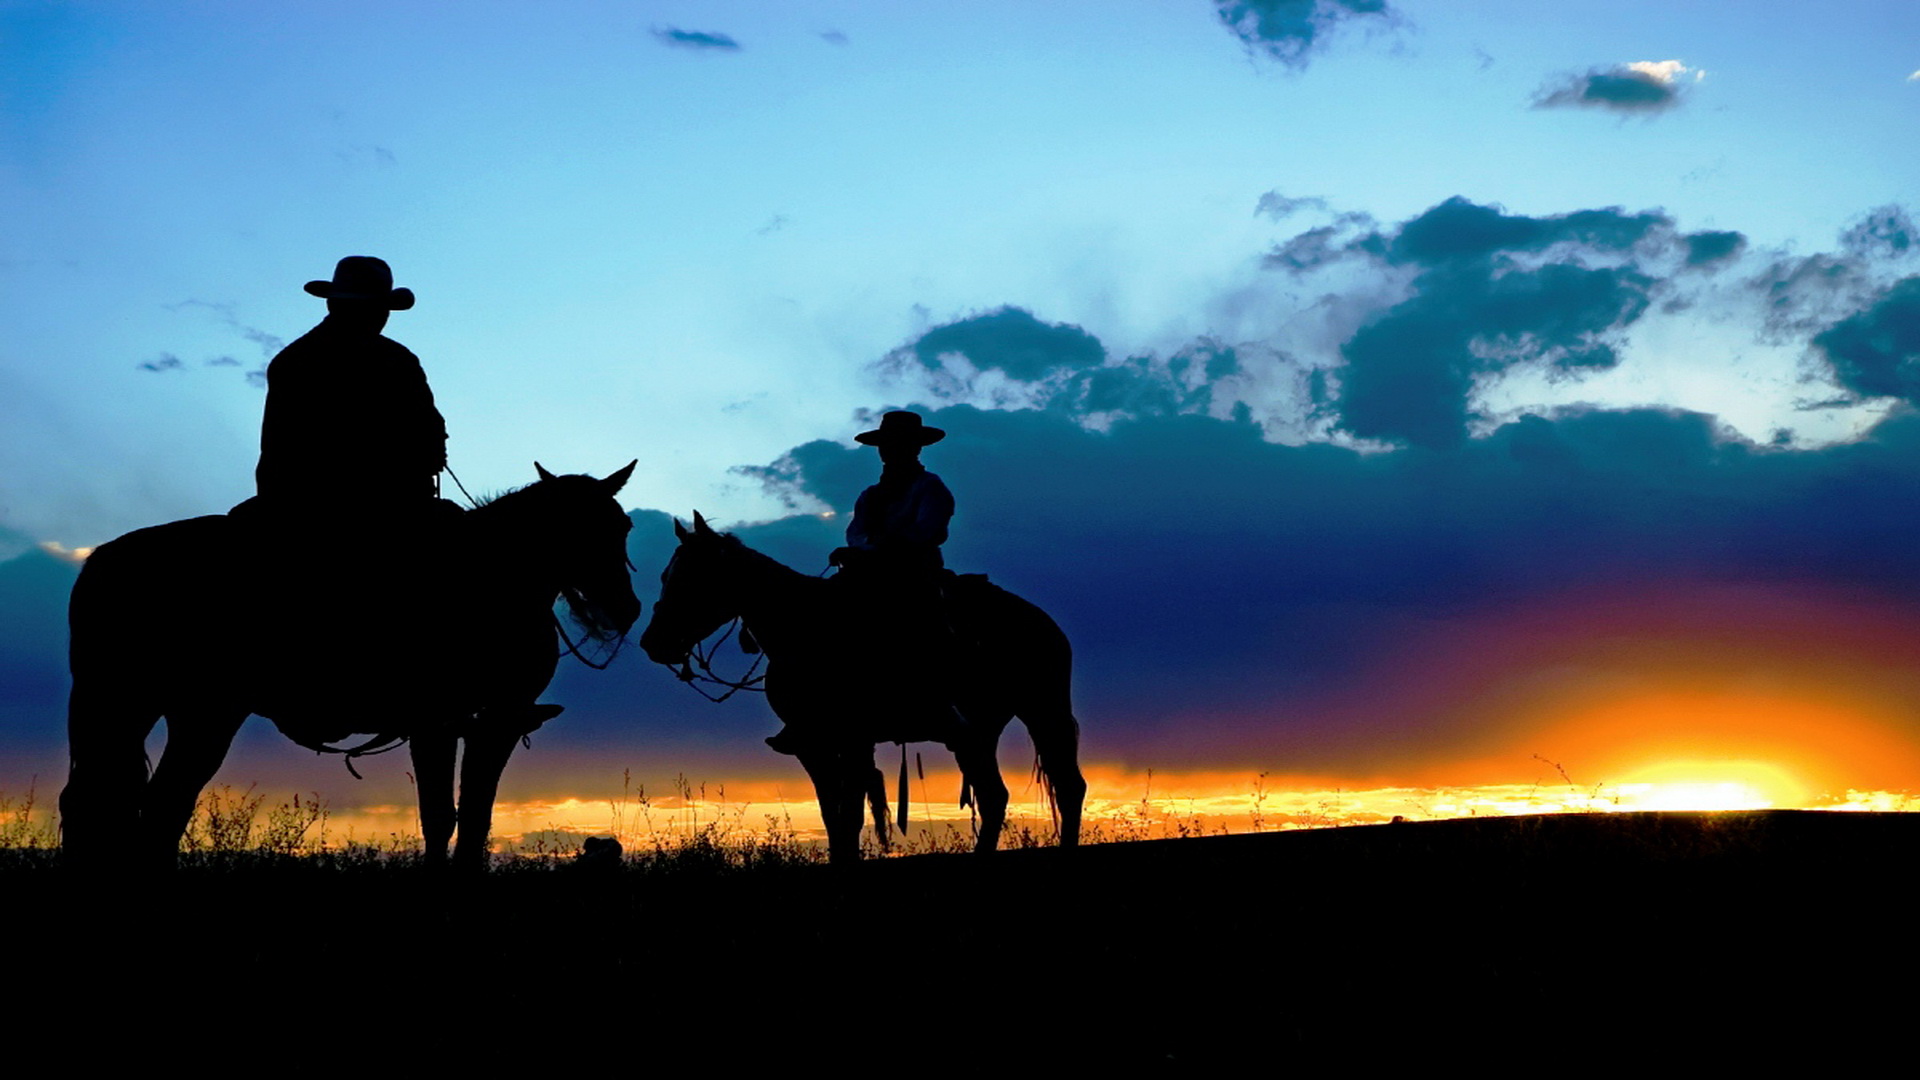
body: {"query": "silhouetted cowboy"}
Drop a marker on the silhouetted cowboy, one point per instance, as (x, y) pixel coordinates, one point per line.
(891, 573)
(899, 523)
(349, 414)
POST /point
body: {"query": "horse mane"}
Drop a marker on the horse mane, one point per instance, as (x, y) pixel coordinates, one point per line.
(588, 616)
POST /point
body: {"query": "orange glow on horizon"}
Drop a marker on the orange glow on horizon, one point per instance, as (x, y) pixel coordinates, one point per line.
(1125, 804)
(1786, 744)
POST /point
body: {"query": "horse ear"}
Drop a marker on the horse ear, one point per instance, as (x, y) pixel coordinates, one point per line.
(618, 480)
(700, 525)
(542, 470)
(680, 531)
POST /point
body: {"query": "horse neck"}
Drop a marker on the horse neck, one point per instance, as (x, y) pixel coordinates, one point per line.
(778, 603)
(507, 546)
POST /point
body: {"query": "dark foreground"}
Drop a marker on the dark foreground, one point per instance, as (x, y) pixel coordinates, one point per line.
(1570, 943)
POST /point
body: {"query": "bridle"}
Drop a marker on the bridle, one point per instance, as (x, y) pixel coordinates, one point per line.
(703, 658)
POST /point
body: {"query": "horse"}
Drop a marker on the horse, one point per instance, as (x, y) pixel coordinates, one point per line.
(177, 621)
(820, 679)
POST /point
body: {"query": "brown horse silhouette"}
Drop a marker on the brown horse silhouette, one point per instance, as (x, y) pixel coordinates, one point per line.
(821, 671)
(179, 621)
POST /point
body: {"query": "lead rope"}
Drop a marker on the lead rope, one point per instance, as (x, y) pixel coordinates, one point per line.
(471, 501)
(900, 819)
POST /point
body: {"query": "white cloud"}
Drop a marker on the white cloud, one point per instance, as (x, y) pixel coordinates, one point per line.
(1665, 71)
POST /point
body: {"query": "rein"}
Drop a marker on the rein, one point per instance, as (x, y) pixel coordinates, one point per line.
(704, 658)
(561, 629)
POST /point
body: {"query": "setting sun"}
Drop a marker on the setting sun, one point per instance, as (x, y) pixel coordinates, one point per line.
(1710, 785)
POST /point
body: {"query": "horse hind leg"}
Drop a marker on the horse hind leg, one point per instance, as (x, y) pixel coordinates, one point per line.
(877, 803)
(978, 756)
(1056, 737)
(197, 742)
(107, 773)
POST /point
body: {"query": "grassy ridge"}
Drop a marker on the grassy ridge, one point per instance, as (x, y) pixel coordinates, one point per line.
(1591, 939)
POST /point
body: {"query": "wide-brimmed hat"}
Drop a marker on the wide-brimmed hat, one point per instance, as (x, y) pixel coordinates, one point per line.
(901, 427)
(363, 277)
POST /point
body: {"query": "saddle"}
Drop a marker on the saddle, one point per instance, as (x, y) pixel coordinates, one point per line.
(334, 603)
(917, 657)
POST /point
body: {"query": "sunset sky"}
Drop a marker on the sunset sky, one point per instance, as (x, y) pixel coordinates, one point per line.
(1402, 397)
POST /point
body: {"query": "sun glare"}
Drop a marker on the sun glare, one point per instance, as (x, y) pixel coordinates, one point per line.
(1710, 785)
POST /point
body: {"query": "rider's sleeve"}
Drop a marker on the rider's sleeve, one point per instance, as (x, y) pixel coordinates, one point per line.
(422, 427)
(932, 510)
(859, 529)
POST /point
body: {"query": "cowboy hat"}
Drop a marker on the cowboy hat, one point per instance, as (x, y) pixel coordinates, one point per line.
(899, 427)
(363, 277)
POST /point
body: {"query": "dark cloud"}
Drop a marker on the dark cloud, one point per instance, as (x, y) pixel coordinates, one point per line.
(1491, 291)
(1876, 352)
(700, 40)
(166, 362)
(1460, 229)
(1014, 360)
(1620, 89)
(1291, 31)
(833, 37)
(223, 361)
(1008, 340)
(1708, 248)
(1886, 232)
(1806, 294)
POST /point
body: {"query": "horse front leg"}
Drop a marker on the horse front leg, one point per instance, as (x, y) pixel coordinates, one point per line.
(841, 791)
(481, 763)
(433, 753)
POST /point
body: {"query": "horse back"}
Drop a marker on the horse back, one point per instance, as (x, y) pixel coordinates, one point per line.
(135, 593)
(1003, 622)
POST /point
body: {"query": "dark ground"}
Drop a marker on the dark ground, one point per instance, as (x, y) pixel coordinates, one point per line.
(1569, 943)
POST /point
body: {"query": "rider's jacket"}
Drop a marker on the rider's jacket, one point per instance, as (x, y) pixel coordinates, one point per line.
(349, 411)
(903, 519)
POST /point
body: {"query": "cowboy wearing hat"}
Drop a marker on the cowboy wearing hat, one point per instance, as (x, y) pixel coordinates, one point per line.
(349, 415)
(899, 523)
(891, 574)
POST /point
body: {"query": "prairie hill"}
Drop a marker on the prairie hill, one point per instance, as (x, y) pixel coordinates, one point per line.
(1583, 942)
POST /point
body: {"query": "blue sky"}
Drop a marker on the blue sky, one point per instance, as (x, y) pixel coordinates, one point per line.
(629, 242)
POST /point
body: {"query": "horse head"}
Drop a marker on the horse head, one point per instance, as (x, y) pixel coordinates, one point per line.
(697, 593)
(583, 533)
